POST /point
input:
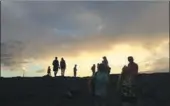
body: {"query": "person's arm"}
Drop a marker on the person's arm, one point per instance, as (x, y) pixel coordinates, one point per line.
(65, 65)
(58, 64)
(92, 68)
(137, 68)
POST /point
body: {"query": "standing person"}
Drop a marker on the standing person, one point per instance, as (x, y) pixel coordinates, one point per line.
(106, 63)
(55, 66)
(126, 84)
(132, 67)
(62, 66)
(75, 70)
(99, 86)
(93, 68)
(49, 71)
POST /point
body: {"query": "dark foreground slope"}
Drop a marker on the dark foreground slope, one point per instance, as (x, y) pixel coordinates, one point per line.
(153, 90)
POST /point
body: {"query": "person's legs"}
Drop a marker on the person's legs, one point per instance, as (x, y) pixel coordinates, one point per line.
(75, 73)
(55, 72)
(63, 72)
(55, 69)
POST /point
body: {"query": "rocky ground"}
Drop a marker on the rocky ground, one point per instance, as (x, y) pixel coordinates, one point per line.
(153, 90)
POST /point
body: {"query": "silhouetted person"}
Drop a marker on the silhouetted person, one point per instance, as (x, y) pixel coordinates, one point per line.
(75, 70)
(99, 86)
(49, 71)
(55, 66)
(93, 68)
(132, 66)
(105, 61)
(126, 84)
(62, 66)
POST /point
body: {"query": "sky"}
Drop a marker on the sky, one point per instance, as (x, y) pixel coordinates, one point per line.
(34, 32)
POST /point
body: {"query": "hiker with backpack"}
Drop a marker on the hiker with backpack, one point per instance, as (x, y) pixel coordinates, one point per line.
(99, 86)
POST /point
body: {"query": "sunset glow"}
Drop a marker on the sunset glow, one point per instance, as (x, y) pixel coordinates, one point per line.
(34, 33)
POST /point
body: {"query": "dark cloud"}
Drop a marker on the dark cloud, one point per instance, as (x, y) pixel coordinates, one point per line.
(12, 54)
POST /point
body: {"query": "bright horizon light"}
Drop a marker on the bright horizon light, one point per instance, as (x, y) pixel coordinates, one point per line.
(33, 34)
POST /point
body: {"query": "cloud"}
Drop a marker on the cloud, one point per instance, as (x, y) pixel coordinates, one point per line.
(85, 0)
(159, 65)
(40, 71)
(39, 30)
(12, 55)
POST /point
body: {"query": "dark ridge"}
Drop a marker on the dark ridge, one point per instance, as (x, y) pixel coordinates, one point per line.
(153, 90)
